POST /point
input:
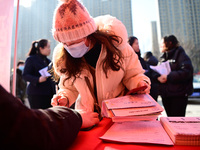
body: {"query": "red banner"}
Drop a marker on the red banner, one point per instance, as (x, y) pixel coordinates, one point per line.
(6, 23)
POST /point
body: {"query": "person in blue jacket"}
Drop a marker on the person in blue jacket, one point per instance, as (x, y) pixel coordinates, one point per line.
(41, 88)
(54, 128)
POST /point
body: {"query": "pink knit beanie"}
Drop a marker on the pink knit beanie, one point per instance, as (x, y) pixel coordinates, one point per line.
(72, 21)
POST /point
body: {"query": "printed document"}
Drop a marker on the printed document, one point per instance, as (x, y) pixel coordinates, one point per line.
(163, 68)
(130, 101)
(44, 72)
(137, 132)
(137, 111)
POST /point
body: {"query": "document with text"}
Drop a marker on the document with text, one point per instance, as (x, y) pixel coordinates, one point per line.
(137, 132)
(131, 107)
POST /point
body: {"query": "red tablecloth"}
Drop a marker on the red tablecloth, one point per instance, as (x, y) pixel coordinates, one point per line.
(89, 140)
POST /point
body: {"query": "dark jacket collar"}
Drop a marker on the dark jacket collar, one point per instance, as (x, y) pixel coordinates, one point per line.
(171, 53)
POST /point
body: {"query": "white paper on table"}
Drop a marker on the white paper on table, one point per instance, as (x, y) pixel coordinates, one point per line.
(137, 132)
(44, 72)
(128, 101)
(137, 111)
(148, 117)
(182, 125)
(163, 68)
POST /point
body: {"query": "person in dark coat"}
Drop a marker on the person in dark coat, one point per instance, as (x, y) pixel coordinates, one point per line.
(177, 85)
(41, 88)
(55, 128)
(20, 82)
(133, 42)
(152, 61)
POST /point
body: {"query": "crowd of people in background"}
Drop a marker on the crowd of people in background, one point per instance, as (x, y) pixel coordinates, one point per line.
(173, 88)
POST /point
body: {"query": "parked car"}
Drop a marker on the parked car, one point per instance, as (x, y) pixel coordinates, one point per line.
(196, 85)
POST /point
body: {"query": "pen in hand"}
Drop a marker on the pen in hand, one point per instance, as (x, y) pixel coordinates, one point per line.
(135, 90)
(59, 99)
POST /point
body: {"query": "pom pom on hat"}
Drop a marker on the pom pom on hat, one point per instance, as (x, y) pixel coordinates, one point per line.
(72, 21)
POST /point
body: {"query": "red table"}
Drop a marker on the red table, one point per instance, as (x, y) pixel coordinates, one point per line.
(89, 140)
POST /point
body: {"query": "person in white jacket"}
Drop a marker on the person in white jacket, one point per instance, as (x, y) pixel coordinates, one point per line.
(93, 59)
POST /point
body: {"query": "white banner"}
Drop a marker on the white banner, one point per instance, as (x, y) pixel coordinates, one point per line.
(6, 22)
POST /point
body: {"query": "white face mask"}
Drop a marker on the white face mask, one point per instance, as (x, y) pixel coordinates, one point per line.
(21, 68)
(77, 50)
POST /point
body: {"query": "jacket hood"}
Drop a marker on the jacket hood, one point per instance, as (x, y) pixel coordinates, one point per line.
(114, 25)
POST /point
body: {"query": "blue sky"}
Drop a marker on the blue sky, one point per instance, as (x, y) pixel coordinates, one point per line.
(144, 11)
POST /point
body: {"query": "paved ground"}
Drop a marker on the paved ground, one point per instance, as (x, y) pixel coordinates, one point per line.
(192, 110)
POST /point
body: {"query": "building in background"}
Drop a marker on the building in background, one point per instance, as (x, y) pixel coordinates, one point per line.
(121, 9)
(181, 18)
(35, 22)
(155, 44)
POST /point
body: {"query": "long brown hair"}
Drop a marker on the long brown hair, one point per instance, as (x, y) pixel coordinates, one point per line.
(113, 59)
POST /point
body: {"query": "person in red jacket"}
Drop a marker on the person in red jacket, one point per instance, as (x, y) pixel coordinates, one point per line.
(55, 128)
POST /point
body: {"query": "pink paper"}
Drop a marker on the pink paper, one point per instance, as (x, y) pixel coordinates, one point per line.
(137, 132)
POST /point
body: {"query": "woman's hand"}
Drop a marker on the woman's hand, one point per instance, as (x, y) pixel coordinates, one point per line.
(88, 118)
(143, 83)
(59, 101)
(42, 79)
(162, 78)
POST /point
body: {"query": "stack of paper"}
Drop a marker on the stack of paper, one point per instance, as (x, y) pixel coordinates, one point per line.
(167, 131)
(182, 130)
(131, 107)
(137, 132)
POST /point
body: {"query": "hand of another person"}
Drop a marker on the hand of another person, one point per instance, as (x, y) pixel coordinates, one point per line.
(42, 79)
(88, 118)
(162, 78)
(59, 101)
(143, 83)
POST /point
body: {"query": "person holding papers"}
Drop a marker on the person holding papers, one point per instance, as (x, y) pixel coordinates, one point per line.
(94, 60)
(41, 88)
(177, 85)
